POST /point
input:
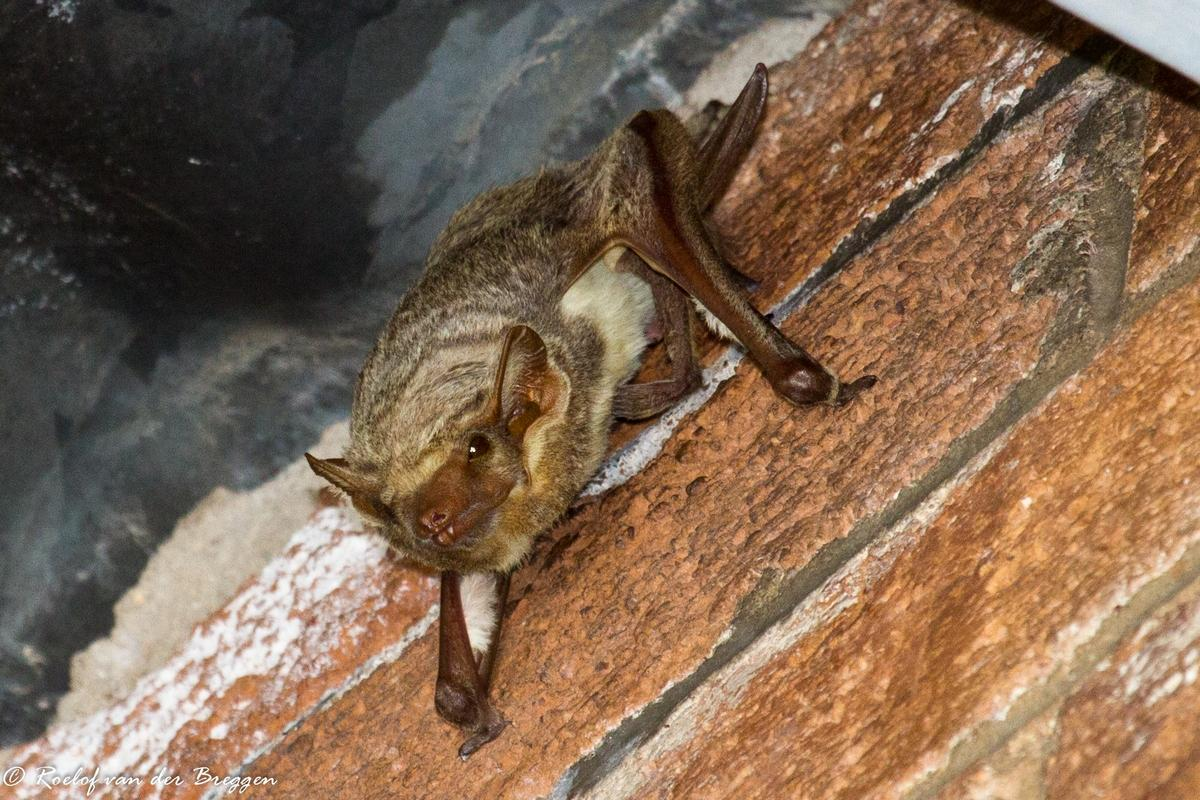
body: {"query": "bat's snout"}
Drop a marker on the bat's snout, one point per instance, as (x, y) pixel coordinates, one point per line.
(456, 503)
(441, 527)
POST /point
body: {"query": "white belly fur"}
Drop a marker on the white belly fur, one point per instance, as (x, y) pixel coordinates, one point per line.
(620, 305)
(715, 325)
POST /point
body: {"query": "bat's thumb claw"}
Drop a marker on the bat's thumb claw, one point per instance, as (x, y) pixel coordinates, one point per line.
(850, 390)
(490, 731)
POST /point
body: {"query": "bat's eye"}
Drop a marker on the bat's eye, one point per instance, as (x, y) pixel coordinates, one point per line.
(477, 447)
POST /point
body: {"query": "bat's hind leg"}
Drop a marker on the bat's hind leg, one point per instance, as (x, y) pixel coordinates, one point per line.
(634, 401)
(668, 233)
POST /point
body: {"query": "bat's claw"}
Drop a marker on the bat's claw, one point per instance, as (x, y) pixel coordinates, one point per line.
(470, 713)
(492, 726)
(849, 391)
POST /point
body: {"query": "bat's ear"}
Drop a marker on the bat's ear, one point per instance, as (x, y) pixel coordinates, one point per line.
(527, 386)
(339, 472)
(357, 485)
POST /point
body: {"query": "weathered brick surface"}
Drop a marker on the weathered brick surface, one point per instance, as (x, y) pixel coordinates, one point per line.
(1150, 689)
(643, 584)
(1087, 501)
(1167, 223)
(868, 117)
(1015, 772)
(1126, 731)
(864, 115)
(318, 612)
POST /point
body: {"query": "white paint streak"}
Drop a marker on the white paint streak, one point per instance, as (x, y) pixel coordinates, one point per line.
(929, 171)
(641, 54)
(63, 10)
(392, 653)
(944, 109)
(631, 459)
(277, 629)
(1166, 661)
(1053, 168)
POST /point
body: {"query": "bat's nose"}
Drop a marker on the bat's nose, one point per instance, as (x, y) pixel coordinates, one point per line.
(440, 527)
(434, 521)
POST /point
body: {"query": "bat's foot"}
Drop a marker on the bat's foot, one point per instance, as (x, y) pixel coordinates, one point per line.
(802, 381)
(635, 401)
(490, 727)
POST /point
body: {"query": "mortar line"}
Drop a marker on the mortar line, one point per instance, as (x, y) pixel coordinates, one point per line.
(781, 636)
(997, 735)
(990, 736)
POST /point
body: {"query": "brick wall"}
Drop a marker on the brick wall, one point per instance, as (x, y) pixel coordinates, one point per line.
(982, 580)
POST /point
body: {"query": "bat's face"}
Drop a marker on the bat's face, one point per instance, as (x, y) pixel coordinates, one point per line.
(453, 515)
(464, 502)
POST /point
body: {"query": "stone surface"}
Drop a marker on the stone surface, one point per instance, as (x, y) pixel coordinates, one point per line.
(1149, 688)
(747, 489)
(1167, 224)
(314, 621)
(956, 618)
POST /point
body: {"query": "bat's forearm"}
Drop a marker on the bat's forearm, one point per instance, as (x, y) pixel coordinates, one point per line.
(461, 693)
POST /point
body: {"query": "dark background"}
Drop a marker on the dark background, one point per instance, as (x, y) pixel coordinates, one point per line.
(207, 209)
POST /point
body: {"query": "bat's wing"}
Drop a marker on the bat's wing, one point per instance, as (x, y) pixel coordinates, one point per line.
(664, 227)
(715, 162)
(725, 146)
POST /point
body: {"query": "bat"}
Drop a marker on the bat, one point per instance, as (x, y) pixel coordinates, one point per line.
(485, 405)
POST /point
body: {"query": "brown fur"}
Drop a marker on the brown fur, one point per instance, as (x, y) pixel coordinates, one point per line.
(507, 258)
(485, 405)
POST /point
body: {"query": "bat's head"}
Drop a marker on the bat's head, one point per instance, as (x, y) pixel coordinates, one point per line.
(468, 496)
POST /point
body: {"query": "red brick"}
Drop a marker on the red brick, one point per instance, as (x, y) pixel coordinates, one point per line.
(1167, 223)
(941, 626)
(1130, 730)
(890, 92)
(1127, 730)
(1015, 772)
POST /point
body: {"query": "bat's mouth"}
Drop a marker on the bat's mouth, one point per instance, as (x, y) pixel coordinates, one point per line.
(459, 546)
